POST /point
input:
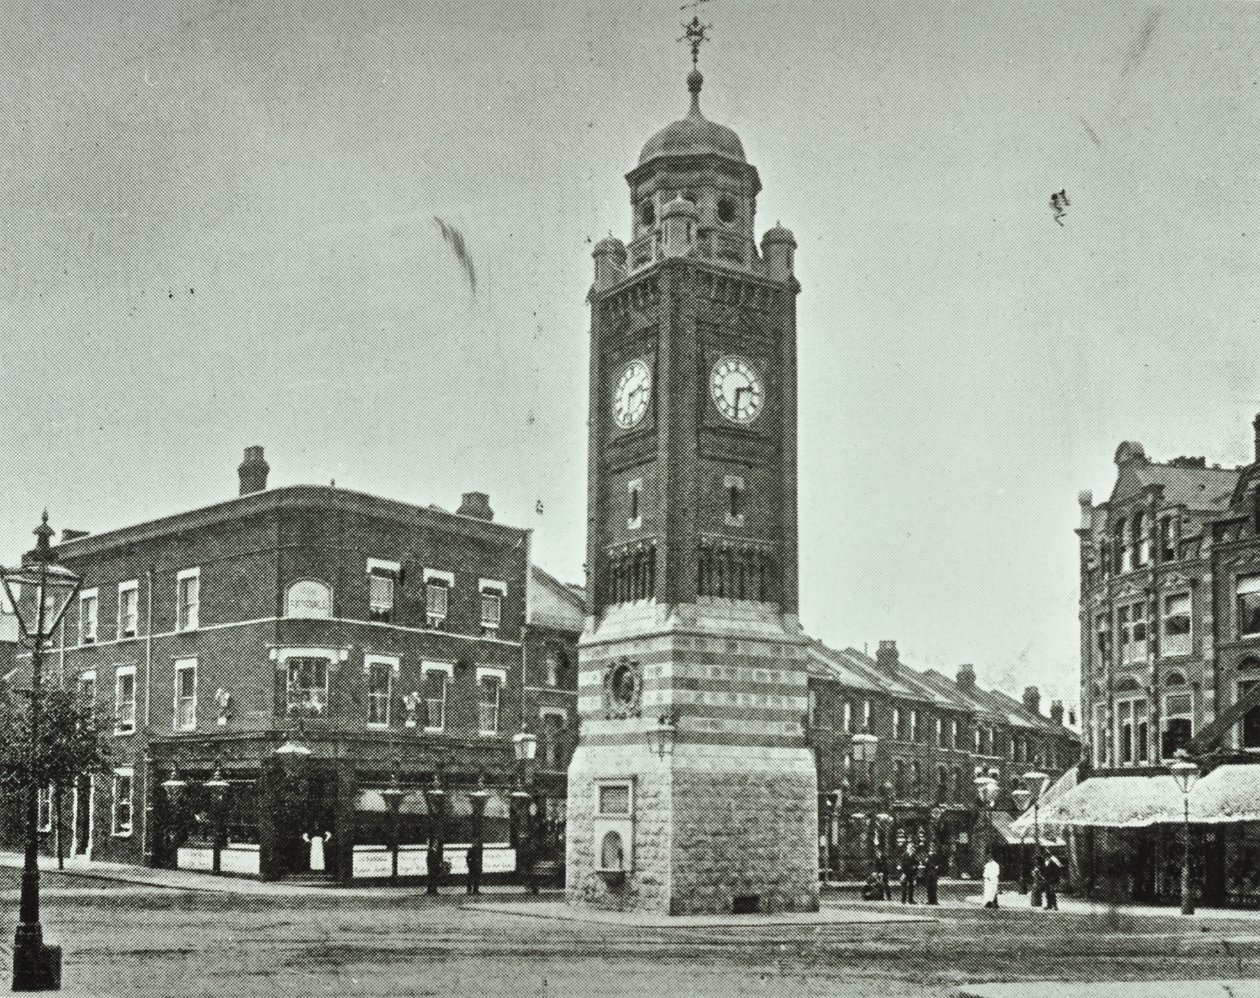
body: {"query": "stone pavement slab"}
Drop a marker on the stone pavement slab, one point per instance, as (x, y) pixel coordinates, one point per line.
(1078, 906)
(1114, 989)
(562, 911)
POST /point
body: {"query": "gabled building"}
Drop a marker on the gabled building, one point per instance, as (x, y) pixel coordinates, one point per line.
(1170, 661)
(302, 646)
(933, 734)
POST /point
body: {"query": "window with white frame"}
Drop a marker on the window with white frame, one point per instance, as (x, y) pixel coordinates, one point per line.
(1102, 632)
(1167, 539)
(914, 725)
(125, 699)
(186, 694)
(123, 789)
(89, 605)
(437, 677)
(1121, 548)
(437, 596)
(492, 593)
(960, 734)
(1178, 717)
(896, 723)
(380, 688)
(554, 661)
(1176, 639)
(554, 722)
(129, 608)
(188, 594)
(1132, 621)
(1247, 592)
(866, 715)
(1126, 732)
(489, 690)
(87, 691)
(382, 582)
(940, 732)
(1100, 734)
(1141, 539)
(1249, 729)
(847, 716)
(44, 809)
(306, 685)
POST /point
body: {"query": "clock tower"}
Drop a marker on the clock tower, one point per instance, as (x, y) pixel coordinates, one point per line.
(692, 789)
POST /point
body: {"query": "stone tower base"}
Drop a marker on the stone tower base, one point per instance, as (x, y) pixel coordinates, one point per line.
(715, 830)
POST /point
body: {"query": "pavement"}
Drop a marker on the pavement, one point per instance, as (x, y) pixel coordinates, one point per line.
(1115, 989)
(192, 880)
(561, 911)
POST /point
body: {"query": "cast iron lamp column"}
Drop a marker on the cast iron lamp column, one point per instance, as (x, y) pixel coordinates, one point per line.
(174, 786)
(986, 791)
(1021, 796)
(1036, 782)
(1185, 772)
(36, 966)
(435, 800)
(393, 795)
(479, 798)
(525, 745)
(218, 788)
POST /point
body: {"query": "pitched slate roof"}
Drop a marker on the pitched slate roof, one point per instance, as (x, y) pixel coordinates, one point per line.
(553, 604)
(1191, 486)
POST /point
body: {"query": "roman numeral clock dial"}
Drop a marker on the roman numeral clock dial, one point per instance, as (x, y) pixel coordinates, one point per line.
(630, 397)
(737, 388)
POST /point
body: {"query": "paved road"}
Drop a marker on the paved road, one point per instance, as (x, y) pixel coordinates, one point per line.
(175, 942)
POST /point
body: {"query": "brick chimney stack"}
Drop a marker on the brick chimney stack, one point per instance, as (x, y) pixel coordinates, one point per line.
(1032, 699)
(476, 504)
(1255, 423)
(1056, 711)
(966, 677)
(887, 658)
(253, 471)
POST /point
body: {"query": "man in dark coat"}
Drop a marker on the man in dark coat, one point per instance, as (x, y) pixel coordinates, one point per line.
(909, 873)
(1052, 873)
(881, 869)
(474, 868)
(434, 860)
(930, 874)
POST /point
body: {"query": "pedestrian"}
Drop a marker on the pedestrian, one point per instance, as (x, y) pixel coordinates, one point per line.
(434, 863)
(1053, 874)
(474, 868)
(881, 868)
(931, 873)
(909, 873)
(992, 871)
(1038, 869)
(316, 842)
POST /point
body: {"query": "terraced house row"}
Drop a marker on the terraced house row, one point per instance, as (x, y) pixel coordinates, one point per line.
(269, 665)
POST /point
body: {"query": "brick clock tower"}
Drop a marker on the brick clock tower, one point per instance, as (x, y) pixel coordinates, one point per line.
(692, 790)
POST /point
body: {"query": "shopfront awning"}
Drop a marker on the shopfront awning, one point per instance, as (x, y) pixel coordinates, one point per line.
(1010, 833)
(1118, 802)
(1229, 793)
(1050, 829)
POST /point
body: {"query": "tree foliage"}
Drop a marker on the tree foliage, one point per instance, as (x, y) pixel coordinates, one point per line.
(70, 740)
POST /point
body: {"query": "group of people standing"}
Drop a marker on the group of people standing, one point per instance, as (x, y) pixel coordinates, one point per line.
(1047, 873)
(913, 869)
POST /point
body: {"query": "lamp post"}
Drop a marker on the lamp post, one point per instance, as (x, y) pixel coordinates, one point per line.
(1036, 782)
(173, 786)
(525, 746)
(435, 801)
(1021, 796)
(1185, 772)
(986, 792)
(218, 788)
(393, 796)
(39, 591)
(478, 797)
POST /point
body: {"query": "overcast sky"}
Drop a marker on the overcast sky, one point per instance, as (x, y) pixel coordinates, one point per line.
(218, 231)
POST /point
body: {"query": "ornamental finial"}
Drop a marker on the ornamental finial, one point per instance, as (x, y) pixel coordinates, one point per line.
(695, 33)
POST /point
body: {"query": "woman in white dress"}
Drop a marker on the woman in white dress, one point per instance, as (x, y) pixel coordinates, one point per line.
(991, 873)
(317, 850)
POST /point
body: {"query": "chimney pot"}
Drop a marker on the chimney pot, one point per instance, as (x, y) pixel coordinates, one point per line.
(966, 677)
(1056, 711)
(887, 658)
(253, 471)
(1032, 699)
(1255, 423)
(476, 504)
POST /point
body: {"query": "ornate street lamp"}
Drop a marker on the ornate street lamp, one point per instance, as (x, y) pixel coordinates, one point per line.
(479, 799)
(525, 745)
(218, 788)
(393, 795)
(435, 801)
(987, 793)
(39, 591)
(1184, 772)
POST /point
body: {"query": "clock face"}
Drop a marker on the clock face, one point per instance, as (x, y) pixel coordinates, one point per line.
(630, 397)
(737, 389)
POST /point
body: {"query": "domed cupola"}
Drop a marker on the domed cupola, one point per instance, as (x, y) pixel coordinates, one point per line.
(694, 134)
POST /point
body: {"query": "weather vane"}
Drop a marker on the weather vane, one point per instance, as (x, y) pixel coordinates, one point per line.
(695, 33)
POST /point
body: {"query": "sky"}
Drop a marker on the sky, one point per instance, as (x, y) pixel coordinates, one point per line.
(219, 230)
